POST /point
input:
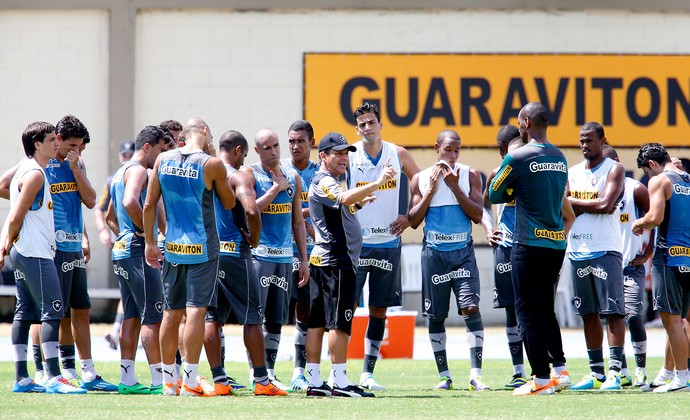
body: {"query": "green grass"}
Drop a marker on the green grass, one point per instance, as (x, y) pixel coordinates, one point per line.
(409, 395)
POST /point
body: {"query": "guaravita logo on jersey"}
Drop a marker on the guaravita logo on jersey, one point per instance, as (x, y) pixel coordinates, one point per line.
(595, 271)
(182, 172)
(548, 166)
(63, 187)
(504, 267)
(680, 189)
(373, 262)
(460, 273)
(683, 269)
(554, 235)
(679, 251)
(69, 266)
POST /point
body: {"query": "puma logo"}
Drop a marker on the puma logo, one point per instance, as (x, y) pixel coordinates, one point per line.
(169, 373)
(187, 372)
(374, 346)
(439, 341)
(126, 369)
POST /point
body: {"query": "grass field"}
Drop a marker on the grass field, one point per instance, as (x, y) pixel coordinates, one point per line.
(408, 395)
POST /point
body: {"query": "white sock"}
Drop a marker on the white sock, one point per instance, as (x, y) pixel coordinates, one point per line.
(340, 375)
(519, 369)
(541, 382)
(297, 372)
(170, 374)
(314, 370)
(665, 374)
(625, 372)
(156, 374)
(475, 372)
(190, 374)
(558, 369)
(271, 373)
(128, 376)
(88, 371)
(682, 376)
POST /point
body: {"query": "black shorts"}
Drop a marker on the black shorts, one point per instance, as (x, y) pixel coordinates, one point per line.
(332, 294)
(446, 271)
(72, 273)
(141, 290)
(189, 285)
(598, 285)
(39, 297)
(671, 289)
(300, 294)
(503, 283)
(382, 267)
(634, 288)
(238, 293)
(274, 279)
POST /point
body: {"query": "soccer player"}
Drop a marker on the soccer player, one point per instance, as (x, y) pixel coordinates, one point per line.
(636, 251)
(300, 142)
(535, 176)
(382, 226)
(280, 201)
(187, 178)
(140, 285)
(448, 198)
(501, 240)
(669, 210)
(334, 261)
(238, 286)
(594, 189)
(28, 237)
(70, 187)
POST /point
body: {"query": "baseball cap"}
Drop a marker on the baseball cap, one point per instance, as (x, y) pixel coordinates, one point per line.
(335, 141)
(127, 146)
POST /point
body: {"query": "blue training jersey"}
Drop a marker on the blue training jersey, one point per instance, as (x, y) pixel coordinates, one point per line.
(127, 244)
(306, 176)
(673, 234)
(67, 212)
(275, 243)
(506, 223)
(191, 236)
(232, 241)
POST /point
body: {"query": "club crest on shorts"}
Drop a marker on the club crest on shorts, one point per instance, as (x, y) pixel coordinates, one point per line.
(159, 307)
(57, 305)
(348, 315)
(577, 301)
(427, 304)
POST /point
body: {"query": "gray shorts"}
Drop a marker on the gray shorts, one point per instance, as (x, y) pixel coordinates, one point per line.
(503, 282)
(634, 288)
(300, 294)
(443, 271)
(72, 273)
(671, 289)
(141, 290)
(382, 267)
(189, 285)
(239, 296)
(598, 285)
(39, 297)
(275, 281)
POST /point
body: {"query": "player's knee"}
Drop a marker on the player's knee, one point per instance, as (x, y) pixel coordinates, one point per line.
(469, 310)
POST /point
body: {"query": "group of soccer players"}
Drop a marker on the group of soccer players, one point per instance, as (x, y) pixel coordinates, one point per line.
(203, 240)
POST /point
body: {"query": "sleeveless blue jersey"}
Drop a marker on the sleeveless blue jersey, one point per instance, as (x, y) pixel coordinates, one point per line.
(275, 243)
(305, 175)
(232, 241)
(67, 213)
(673, 234)
(127, 244)
(191, 236)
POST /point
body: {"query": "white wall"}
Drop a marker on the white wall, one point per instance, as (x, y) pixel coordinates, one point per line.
(54, 63)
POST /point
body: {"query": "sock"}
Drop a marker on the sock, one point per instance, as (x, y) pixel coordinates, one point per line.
(170, 374)
(596, 362)
(156, 370)
(638, 338)
(50, 331)
(682, 376)
(437, 336)
(260, 375)
(38, 357)
(475, 341)
(88, 370)
(615, 356)
(128, 375)
(69, 368)
(222, 348)
(20, 344)
(340, 375)
(300, 348)
(271, 343)
(117, 324)
(664, 374)
(190, 374)
(372, 343)
(542, 381)
(178, 362)
(314, 371)
(559, 369)
(219, 375)
(514, 341)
